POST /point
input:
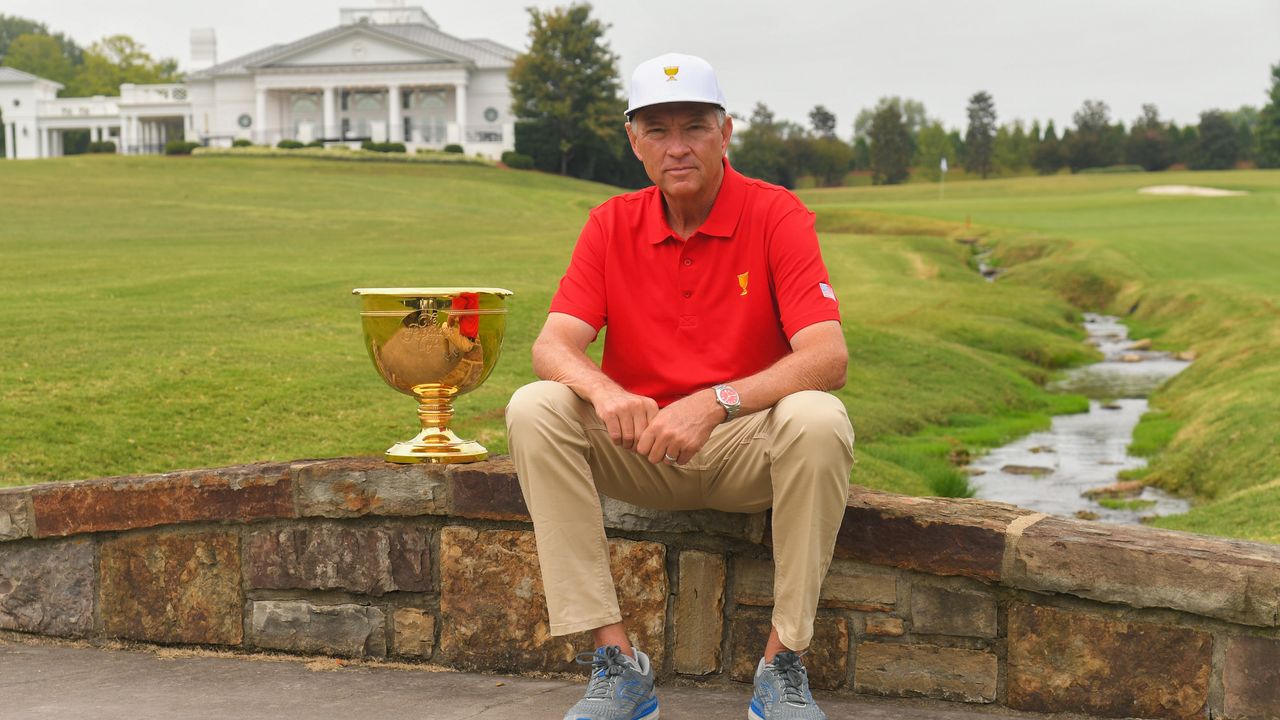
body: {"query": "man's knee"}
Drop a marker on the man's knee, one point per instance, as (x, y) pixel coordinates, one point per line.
(810, 416)
(539, 401)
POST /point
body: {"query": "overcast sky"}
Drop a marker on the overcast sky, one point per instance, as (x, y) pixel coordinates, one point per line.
(1039, 59)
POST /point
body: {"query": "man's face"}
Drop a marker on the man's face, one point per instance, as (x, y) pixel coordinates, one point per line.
(681, 145)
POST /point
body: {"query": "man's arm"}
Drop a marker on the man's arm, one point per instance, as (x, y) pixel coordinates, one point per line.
(559, 354)
(819, 360)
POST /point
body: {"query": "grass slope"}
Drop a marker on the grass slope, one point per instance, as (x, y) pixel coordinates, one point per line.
(158, 313)
(1197, 273)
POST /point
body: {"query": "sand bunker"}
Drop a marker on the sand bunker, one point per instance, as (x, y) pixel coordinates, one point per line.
(1189, 190)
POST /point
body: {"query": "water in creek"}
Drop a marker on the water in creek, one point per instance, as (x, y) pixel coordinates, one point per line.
(1050, 471)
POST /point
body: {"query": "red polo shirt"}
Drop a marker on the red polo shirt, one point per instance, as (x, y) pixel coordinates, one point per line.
(684, 314)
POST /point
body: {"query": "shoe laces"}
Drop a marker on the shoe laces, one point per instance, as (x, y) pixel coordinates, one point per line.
(607, 663)
(788, 667)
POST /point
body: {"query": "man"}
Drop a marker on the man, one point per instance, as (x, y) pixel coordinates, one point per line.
(723, 334)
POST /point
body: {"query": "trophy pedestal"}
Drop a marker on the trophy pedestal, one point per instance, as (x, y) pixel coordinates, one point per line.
(434, 445)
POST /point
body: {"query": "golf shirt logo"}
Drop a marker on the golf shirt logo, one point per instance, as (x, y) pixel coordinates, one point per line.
(742, 282)
(827, 292)
(671, 71)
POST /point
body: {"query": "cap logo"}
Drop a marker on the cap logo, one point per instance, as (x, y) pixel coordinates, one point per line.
(671, 71)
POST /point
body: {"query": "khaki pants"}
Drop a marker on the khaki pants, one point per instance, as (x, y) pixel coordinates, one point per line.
(795, 458)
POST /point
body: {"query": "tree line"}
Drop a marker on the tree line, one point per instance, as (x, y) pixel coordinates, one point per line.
(567, 97)
(896, 140)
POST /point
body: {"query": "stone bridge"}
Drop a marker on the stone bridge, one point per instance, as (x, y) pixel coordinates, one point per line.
(960, 600)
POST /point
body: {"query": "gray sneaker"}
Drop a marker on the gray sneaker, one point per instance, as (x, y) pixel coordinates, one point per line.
(781, 691)
(621, 688)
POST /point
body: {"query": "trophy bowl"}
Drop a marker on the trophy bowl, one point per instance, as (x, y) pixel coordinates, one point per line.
(433, 344)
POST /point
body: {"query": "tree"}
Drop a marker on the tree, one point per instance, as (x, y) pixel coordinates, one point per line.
(1094, 143)
(760, 150)
(861, 154)
(979, 139)
(568, 81)
(1047, 157)
(933, 144)
(1182, 143)
(831, 159)
(39, 55)
(119, 59)
(12, 27)
(912, 112)
(1218, 146)
(1245, 120)
(1148, 142)
(823, 121)
(957, 146)
(1269, 125)
(1011, 148)
(891, 150)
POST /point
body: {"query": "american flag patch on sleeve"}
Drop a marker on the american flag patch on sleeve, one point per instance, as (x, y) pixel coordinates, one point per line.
(827, 292)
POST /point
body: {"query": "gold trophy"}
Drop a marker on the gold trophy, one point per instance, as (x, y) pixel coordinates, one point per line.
(433, 344)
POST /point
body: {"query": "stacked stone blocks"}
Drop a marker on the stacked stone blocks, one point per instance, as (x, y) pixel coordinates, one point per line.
(952, 599)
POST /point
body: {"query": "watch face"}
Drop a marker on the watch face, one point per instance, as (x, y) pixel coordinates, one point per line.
(728, 396)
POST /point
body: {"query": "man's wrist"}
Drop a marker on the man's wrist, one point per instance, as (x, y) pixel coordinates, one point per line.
(728, 399)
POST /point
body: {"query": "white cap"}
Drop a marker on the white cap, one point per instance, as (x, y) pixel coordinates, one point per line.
(674, 78)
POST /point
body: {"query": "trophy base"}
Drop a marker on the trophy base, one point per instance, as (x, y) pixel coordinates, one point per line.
(434, 445)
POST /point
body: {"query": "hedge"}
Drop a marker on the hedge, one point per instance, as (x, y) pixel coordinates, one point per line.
(517, 161)
(180, 147)
(343, 154)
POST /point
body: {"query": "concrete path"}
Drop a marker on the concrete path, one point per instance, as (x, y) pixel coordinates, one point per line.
(44, 681)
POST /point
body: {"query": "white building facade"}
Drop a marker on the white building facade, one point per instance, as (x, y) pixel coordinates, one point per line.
(386, 73)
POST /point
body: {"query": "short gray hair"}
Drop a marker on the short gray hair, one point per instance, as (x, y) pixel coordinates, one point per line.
(719, 111)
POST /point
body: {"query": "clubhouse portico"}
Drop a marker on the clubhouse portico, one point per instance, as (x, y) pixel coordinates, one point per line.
(386, 73)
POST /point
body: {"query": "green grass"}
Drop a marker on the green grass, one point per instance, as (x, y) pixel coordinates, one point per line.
(158, 313)
(1133, 504)
(1153, 434)
(1191, 273)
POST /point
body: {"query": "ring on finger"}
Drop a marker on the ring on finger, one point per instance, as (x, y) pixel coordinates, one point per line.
(670, 459)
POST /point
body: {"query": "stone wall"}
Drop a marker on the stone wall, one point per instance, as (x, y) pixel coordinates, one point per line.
(954, 599)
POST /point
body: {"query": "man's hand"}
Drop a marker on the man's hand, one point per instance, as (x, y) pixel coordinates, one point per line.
(625, 415)
(681, 429)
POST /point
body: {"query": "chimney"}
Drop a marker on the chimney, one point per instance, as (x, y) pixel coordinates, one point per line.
(204, 49)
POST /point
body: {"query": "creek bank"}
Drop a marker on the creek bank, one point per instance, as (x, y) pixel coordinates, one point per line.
(1073, 468)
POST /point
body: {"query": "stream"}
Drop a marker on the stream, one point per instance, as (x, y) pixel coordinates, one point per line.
(1051, 471)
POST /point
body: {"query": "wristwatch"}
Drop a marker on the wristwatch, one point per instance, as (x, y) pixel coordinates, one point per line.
(729, 400)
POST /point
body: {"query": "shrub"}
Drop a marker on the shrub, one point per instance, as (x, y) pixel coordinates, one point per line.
(316, 143)
(106, 146)
(517, 161)
(382, 147)
(1106, 169)
(180, 147)
(241, 142)
(453, 148)
(289, 145)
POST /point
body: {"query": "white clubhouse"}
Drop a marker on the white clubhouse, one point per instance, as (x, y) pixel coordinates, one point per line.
(386, 73)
